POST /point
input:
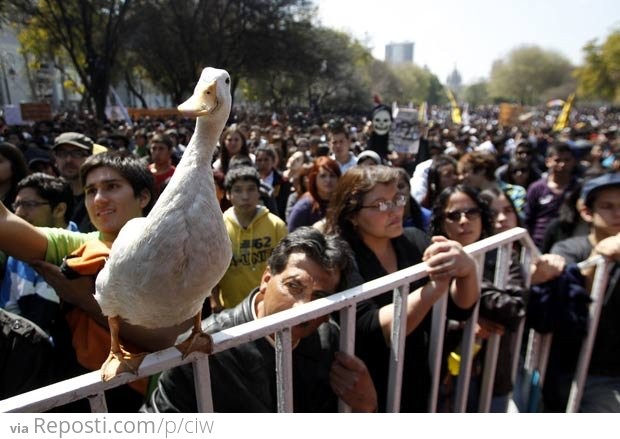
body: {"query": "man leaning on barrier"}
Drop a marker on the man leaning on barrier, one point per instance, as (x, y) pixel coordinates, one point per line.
(599, 206)
(306, 265)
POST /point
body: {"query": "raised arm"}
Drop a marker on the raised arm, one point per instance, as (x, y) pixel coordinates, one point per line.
(20, 239)
(446, 262)
(608, 247)
(419, 302)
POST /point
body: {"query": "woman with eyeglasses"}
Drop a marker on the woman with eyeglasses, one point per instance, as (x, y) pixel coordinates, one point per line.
(462, 214)
(367, 211)
(12, 169)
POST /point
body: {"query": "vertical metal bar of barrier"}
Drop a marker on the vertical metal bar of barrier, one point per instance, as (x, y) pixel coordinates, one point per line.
(488, 376)
(202, 384)
(543, 358)
(537, 348)
(97, 403)
(531, 351)
(436, 349)
(530, 364)
(347, 341)
(397, 347)
(515, 348)
(284, 371)
(467, 349)
(500, 277)
(526, 262)
(467, 344)
(601, 277)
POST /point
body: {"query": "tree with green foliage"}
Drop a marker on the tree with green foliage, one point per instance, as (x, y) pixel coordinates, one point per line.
(599, 77)
(176, 38)
(526, 73)
(317, 68)
(477, 93)
(89, 33)
(416, 84)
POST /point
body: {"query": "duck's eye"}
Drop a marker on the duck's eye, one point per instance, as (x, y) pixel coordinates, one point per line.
(227, 80)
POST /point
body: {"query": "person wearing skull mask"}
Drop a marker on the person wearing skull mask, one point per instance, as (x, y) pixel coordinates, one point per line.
(381, 123)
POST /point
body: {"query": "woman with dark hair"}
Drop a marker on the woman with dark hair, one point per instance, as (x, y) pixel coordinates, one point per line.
(12, 169)
(442, 173)
(457, 205)
(299, 181)
(504, 213)
(367, 211)
(462, 214)
(521, 173)
(232, 143)
(312, 206)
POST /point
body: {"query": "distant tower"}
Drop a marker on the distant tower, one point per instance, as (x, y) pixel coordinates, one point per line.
(454, 80)
(399, 53)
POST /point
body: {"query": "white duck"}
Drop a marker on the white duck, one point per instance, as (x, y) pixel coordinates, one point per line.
(162, 267)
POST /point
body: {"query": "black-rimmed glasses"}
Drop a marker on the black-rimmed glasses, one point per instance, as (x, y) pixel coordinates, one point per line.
(28, 204)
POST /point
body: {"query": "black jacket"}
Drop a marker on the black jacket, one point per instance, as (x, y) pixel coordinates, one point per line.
(370, 344)
(243, 378)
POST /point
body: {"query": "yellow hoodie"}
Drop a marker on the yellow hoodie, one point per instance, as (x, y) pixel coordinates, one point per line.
(251, 248)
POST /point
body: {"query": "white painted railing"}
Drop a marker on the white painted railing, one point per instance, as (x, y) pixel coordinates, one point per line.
(92, 387)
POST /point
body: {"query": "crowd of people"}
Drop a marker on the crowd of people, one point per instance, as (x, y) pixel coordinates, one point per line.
(311, 209)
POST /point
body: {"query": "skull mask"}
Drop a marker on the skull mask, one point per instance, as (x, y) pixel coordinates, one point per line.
(382, 122)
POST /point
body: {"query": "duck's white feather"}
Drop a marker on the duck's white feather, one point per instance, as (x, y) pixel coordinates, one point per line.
(162, 267)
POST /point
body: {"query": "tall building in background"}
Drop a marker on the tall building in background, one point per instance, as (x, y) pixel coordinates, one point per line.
(398, 53)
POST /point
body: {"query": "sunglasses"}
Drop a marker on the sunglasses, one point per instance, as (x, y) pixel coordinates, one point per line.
(456, 215)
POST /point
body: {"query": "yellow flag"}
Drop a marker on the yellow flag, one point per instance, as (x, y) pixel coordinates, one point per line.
(562, 121)
(423, 113)
(456, 111)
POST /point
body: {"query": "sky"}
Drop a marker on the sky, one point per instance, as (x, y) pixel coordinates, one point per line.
(471, 34)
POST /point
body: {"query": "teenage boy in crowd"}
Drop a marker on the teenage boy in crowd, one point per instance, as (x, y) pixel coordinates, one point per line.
(599, 206)
(117, 188)
(43, 201)
(254, 232)
(545, 196)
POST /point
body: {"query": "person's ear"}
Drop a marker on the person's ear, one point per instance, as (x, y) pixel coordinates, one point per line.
(265, 278)
(145, 198)
(584, 211)
(58, 212)
(228, 195)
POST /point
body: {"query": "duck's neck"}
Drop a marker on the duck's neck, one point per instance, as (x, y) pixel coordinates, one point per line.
(200, 149)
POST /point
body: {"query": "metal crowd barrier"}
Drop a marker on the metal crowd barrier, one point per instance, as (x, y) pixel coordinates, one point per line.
(91, 386)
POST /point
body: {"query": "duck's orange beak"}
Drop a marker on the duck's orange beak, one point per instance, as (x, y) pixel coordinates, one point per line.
(202, 102)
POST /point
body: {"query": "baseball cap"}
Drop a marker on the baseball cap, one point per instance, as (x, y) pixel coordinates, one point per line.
(590, 187)
(75, 139)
